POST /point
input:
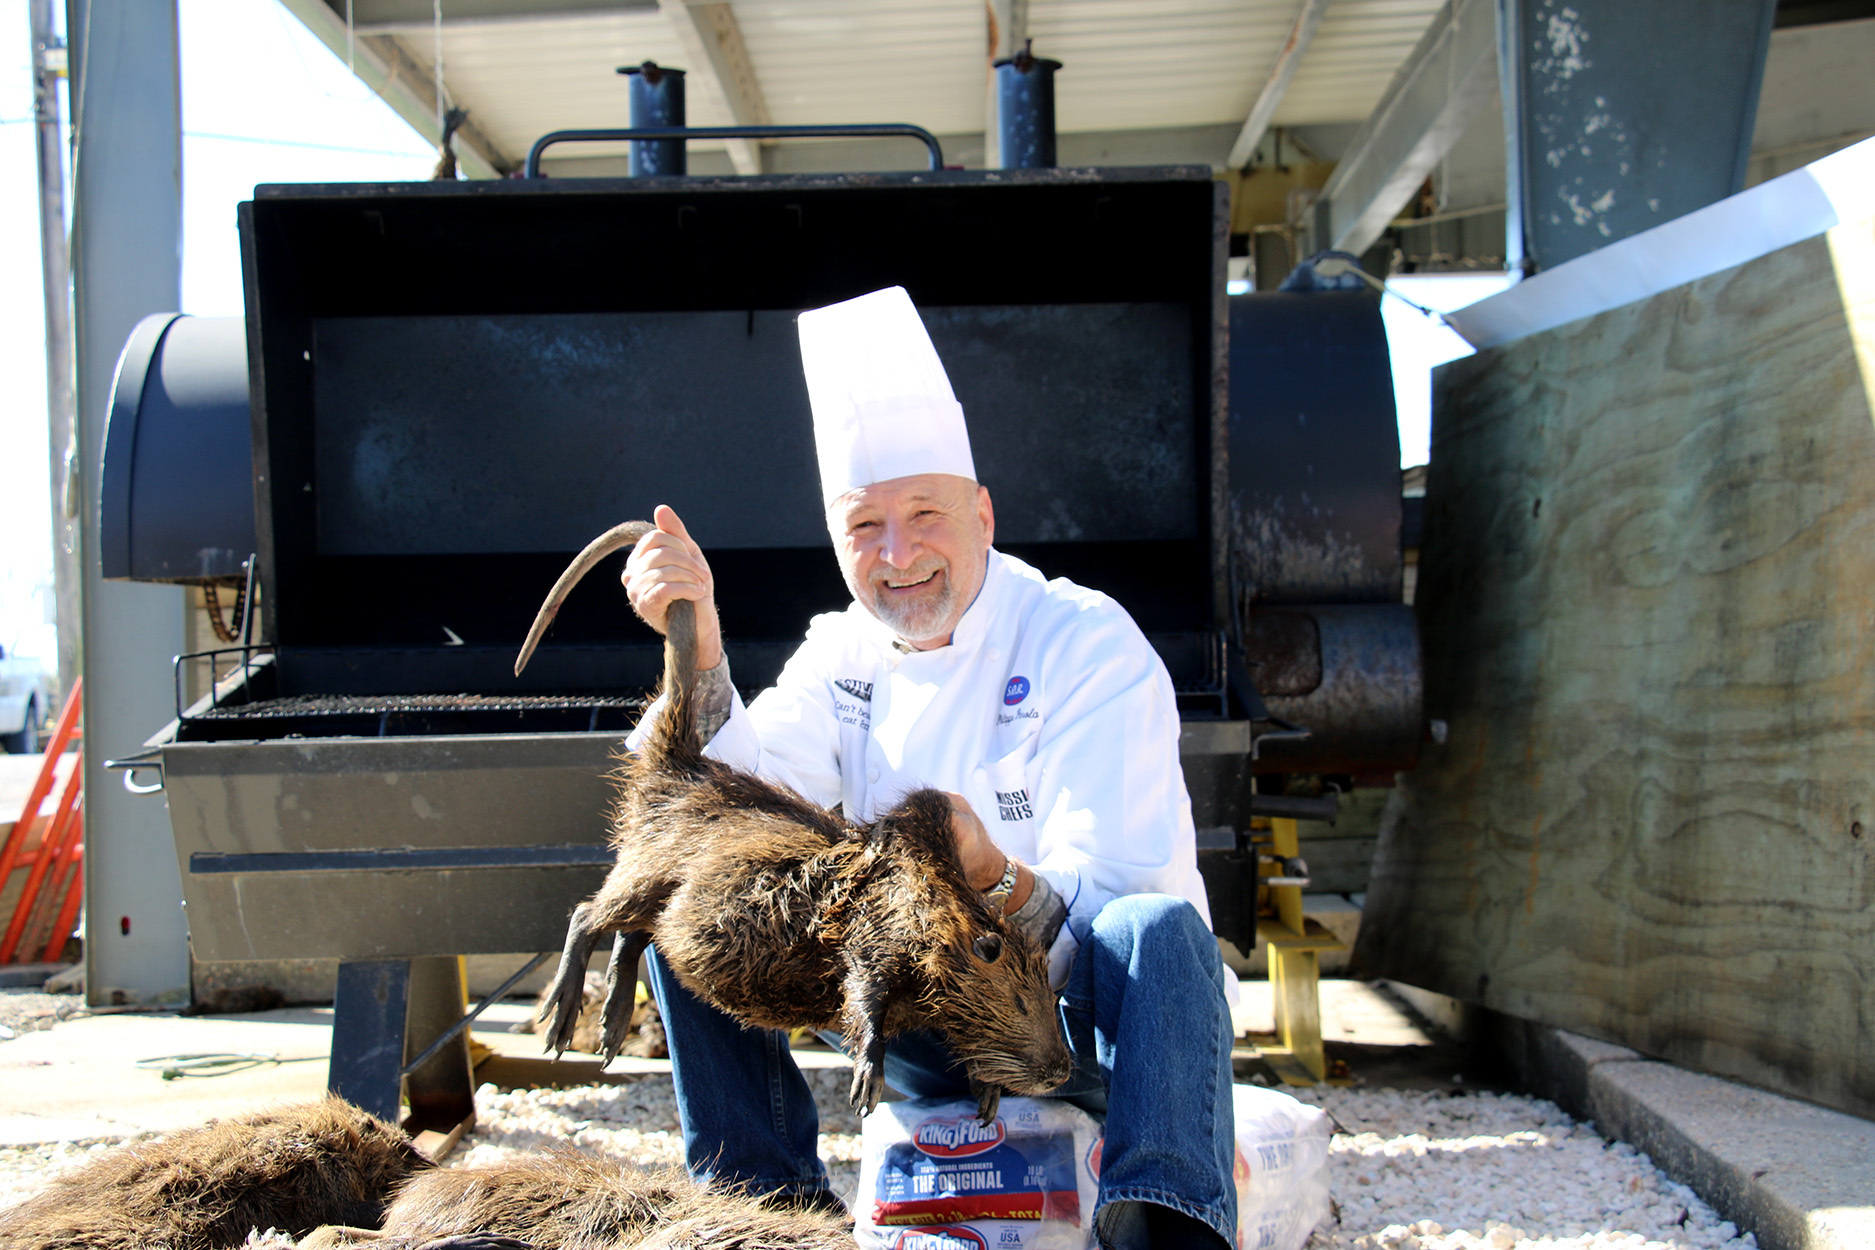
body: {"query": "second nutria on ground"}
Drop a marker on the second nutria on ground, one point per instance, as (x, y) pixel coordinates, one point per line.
(206, 1188)
(563, 1199)
(783, 915)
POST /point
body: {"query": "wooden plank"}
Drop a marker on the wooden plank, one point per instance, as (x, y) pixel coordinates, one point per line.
(1647, 594)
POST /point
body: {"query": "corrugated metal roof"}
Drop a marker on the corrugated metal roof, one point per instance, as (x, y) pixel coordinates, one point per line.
(1129, 64)
(1357, 51)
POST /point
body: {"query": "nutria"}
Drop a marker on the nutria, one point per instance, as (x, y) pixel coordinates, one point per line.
(291, 1169)
(563, 1199)
(782, 915)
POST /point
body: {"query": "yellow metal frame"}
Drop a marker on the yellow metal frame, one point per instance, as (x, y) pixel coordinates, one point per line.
(1295, 945)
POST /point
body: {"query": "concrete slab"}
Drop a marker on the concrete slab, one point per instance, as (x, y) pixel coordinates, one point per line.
(1352, 1011)
(1799, 1176)
(1340, 914)
(82, 1079)
(28, 976)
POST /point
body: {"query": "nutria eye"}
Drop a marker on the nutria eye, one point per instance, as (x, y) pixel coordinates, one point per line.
(1022, 1005)
(988, 947)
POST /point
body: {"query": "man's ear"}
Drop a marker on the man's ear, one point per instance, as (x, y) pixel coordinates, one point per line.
(986, 514)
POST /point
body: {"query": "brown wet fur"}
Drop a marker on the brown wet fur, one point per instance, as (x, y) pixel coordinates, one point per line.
(784, 916)
(565, 1200)
(291, 1169)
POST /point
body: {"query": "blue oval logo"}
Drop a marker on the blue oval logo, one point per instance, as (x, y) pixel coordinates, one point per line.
(1016, 691)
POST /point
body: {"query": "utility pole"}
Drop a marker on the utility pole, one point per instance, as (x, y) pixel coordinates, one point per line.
(50, 65)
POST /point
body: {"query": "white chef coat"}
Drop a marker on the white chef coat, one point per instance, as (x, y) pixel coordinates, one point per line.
(1049, 711)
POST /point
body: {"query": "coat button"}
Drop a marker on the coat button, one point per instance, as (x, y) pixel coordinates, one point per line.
(872, 774)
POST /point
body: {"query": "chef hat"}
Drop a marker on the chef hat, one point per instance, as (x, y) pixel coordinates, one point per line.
(883, 407)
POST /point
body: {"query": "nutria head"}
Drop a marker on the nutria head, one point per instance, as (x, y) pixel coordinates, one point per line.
(986, 981)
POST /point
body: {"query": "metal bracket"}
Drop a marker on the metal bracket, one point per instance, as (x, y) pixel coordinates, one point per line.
(150, 760)
(863, 131)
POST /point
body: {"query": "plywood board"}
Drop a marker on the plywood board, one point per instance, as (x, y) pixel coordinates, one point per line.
(1647, 594)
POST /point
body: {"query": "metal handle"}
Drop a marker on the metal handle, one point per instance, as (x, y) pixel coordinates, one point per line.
(871, 130)
(131, 765)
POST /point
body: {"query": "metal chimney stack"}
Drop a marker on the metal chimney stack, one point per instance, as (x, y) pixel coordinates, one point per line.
(657, 100)
(1025, 86)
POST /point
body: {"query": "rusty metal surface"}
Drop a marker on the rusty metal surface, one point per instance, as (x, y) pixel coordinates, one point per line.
(1364, 712)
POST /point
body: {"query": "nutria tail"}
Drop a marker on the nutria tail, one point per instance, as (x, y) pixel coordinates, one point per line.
(617, 538)
(673, 740)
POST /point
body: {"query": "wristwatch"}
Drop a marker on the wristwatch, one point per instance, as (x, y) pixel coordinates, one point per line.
(998, 895)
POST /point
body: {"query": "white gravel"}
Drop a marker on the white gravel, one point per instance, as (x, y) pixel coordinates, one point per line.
(1409, 1170)
(637, 1121)
(1435, 1171)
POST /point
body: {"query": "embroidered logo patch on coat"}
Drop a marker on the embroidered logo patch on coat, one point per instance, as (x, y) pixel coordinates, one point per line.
(1016, 691)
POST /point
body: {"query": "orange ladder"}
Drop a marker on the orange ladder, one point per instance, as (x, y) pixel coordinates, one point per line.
(50, 850)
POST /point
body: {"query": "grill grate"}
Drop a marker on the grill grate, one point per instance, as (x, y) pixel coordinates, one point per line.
(295, 706)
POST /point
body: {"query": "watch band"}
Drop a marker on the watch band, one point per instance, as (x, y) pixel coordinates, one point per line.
(998, 895)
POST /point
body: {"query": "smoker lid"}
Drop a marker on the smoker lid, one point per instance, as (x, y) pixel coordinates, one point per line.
(458, 385)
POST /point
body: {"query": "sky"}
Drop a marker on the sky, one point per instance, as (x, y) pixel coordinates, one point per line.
(264, 101)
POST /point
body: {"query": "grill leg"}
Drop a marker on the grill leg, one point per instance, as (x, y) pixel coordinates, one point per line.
(442, 1091)
(368, 1019)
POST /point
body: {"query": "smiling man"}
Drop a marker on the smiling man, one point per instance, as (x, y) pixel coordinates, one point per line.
(1044, 711)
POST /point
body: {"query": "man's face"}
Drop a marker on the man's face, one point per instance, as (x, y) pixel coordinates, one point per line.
(913, 549)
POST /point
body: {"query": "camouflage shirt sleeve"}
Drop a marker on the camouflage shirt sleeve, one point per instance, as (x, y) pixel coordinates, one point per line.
(713, 691)
(1041, 916)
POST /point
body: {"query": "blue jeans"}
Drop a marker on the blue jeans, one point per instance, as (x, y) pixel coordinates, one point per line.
(1143, 1011)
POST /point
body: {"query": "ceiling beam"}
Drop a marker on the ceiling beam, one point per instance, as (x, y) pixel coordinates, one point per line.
(373, 19)
(1261, 113)
(1007, 23)
(713, 42)
(402, 81)
(1442, 85)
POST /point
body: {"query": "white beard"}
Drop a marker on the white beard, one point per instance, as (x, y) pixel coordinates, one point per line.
(913, 620)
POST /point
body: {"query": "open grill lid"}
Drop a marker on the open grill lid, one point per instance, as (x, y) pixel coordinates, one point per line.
(455, 386)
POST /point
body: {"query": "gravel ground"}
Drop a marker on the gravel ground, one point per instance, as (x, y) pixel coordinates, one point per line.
(1425, 1170)
(1409, 1169)
(26, 1011)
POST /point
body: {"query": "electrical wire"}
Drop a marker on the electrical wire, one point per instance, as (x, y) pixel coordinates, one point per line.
(214, 1063)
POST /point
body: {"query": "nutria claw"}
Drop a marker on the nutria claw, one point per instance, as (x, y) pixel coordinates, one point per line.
(621, 987)
(868, 1083)
(989, 1098)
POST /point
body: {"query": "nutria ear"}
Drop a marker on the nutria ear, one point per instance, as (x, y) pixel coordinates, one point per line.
(988, 947)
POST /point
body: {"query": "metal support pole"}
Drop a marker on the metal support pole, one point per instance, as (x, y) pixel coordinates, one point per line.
(1026, 111)
(49, 62)
(441, 1088)
(369, 1008)
(126, 263)
(657, 96)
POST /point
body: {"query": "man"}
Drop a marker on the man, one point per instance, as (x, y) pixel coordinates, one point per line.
(1049, 718)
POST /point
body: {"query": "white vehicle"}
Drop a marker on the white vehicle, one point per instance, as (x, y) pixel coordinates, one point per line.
(25, 702)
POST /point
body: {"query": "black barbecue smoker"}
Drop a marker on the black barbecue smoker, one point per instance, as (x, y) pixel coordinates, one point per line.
(454, 386)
